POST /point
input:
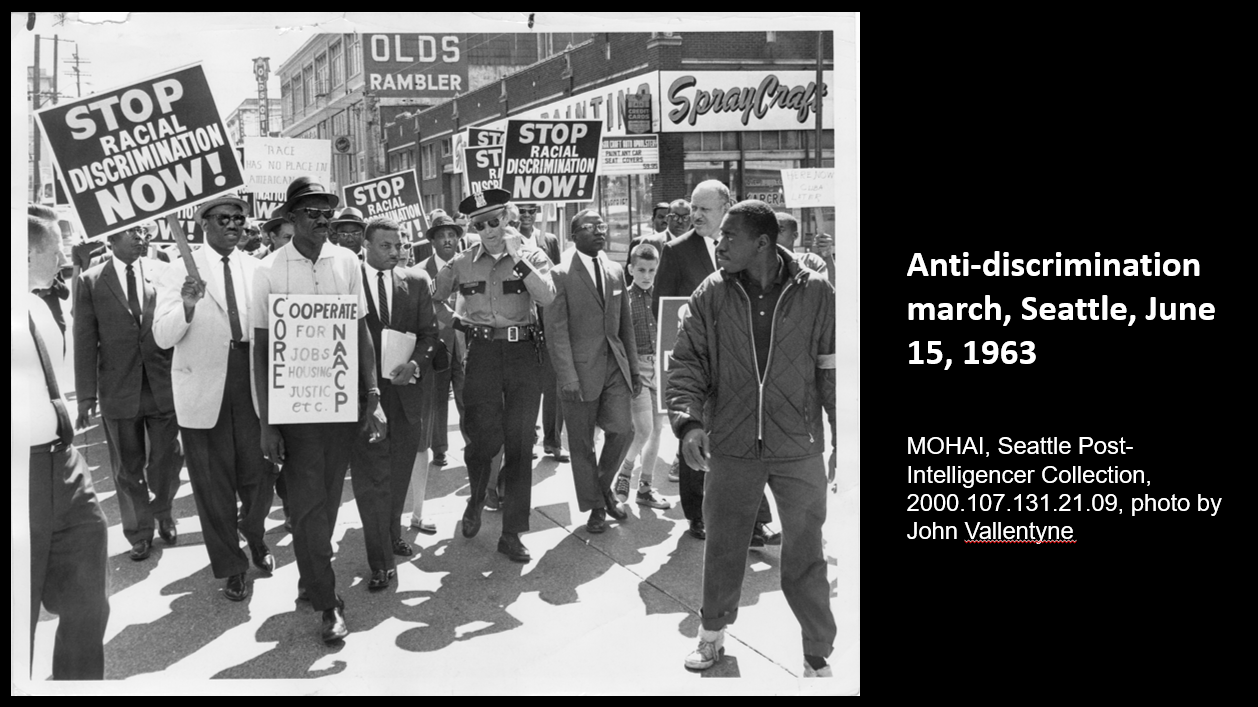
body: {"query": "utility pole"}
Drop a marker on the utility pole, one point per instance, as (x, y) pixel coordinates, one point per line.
(78, 74)
(35, 185)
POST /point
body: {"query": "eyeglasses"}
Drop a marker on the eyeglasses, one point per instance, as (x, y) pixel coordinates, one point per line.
(679, 217)
(224, 219)
(316, 214)
(597, 228)
(513, 224)
(527, 211)
(136, 231)
(480, 225)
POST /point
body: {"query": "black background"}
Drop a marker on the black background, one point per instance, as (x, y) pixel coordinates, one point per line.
(1139, 604)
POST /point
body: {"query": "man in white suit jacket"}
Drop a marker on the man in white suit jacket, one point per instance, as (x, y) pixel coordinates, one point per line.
(207, 323)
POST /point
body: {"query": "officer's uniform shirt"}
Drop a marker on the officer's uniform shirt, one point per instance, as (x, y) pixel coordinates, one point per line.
(497, 292)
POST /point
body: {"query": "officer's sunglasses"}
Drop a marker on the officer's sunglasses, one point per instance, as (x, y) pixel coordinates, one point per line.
(480, 225)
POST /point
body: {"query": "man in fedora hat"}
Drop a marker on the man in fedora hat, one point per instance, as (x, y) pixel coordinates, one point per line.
(499, 282)
(444, 234)
(350, 227)
(315, 457)
(217, 415)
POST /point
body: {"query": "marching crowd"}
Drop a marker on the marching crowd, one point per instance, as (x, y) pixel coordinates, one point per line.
(175, 366)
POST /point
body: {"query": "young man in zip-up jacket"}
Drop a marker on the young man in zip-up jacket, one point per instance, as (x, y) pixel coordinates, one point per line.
(752, 369)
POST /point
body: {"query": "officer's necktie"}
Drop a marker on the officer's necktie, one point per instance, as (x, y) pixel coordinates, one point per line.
(65, 429)
(233, 313)
(382, 294)
(133, 301)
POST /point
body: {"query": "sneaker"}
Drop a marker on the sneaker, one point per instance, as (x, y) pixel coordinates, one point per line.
(622, 488)
(823, 672)
(674, 474)
(711, 647)
(492, 502)
(648, 497)
(764, 535)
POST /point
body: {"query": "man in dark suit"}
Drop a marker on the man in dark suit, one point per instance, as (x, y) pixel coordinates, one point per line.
(118, 363)
(444, 236)
(684, 263)
(596, 364)
(552, 416)
(398, 300)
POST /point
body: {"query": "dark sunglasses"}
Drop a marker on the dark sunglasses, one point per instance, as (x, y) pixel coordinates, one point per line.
(480, 225)
(224, 219)
(527, 211)
(315, 214)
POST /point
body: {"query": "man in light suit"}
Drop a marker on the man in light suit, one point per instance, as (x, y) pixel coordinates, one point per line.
(118, 363)
(552, 416)
(591, 340)
(398, 299)
(213, 396)
(685, 262)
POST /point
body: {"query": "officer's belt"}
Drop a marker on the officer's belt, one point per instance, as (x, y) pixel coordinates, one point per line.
(526, 332)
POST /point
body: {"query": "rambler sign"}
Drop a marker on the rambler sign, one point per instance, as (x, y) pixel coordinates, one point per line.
(696, 101)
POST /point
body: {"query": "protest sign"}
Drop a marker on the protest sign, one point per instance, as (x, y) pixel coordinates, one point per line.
(272, 163)
(141, 151)
(631, 155)
(482, 168)
(669, 320)
(483, 137)
(551, 160)
(808, 187)
(312, 369)
(393, 196)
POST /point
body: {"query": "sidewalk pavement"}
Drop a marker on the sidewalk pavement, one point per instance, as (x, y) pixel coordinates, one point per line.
(614, 613)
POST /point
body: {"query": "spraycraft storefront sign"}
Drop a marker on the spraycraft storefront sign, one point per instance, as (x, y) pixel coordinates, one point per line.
(703, 101)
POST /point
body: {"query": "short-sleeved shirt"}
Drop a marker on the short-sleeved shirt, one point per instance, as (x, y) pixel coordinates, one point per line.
(336, 272)
(497, 293)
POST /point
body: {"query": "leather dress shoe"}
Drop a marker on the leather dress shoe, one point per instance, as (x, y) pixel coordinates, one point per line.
(402, 548)
(424, 526)
(697, 530)
(262, 558)
(762, 536)
(303, 594)
(558, 454)
(613, 506)
(509, 544)
(238, 588)
(597, 522)
(439, 459)
(381, 579)
(140, 550)
(333, 626)
(166, 529)
(471, 520)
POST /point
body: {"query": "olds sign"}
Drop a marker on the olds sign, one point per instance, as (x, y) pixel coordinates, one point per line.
(414, 65)
(696, 101)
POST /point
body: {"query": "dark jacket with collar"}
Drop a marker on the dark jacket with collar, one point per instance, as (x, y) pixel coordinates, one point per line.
(713, 379)
(684, 263)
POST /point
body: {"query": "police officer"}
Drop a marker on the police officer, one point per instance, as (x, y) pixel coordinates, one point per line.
(498, 282)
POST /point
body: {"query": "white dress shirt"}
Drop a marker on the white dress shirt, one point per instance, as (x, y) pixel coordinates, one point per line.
(589, 267)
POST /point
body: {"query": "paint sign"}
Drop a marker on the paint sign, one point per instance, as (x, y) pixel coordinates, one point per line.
(631, 155)
(415, 65)
(551, 161)
(669, 325)
(312, 373)
(393, 196)
(141, 151)
(272, 163)
(808, 187)
(697, 101)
